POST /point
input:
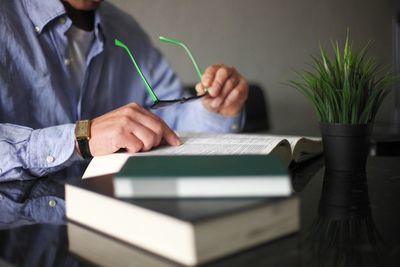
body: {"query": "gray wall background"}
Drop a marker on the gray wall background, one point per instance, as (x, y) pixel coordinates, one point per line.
(266, 40)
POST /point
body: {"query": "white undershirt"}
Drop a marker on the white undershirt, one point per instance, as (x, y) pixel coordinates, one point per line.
(79, 43)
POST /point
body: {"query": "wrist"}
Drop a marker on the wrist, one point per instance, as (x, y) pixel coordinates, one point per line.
(82, 137)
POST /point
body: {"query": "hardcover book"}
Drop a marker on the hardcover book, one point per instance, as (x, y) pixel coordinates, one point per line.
(202, 176)
(186, 231)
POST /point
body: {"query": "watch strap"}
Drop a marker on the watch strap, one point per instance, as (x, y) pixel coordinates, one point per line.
(82, 135)
(84, 148)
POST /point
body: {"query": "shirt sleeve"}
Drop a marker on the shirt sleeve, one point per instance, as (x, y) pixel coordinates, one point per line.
(36, 152)
(198, 119)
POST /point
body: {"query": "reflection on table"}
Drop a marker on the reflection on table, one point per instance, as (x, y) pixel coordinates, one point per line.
(346, 220)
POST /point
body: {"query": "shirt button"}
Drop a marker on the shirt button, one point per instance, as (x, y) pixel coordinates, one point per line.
(234, 126)
(50, 159)
(52, 203)
(37, 29)
(61, 20)
(67, 61)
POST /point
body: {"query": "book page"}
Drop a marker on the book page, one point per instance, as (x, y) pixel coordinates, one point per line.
(294, 140)
(213, 144)
(199, 144)
(303, 148)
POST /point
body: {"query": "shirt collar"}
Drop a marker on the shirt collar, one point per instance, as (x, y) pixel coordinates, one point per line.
(99, 27)
(42, 12)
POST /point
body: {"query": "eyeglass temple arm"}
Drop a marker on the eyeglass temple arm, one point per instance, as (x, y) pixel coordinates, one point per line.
(181, 44)
(146, 83)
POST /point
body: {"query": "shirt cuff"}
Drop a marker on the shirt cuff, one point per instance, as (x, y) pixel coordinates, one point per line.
(51, 148)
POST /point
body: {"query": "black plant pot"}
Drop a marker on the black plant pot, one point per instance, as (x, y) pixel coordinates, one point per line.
(346, 146)
(344, 196)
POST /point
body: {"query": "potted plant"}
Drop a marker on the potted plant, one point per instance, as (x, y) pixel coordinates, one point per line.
(346, 91)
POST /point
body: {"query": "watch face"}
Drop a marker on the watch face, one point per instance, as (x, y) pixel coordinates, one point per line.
(82, 129)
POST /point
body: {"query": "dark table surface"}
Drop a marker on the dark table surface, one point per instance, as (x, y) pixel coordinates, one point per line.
(347, 219)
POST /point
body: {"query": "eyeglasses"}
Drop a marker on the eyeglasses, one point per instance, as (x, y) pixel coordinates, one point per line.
(157, 103)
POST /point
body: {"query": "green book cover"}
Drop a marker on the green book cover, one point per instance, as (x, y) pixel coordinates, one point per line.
(202, 166)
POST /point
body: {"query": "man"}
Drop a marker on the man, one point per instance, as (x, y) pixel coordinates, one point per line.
(59, 65)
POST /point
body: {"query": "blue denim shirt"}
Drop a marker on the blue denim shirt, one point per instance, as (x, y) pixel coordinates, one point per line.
(39, 103)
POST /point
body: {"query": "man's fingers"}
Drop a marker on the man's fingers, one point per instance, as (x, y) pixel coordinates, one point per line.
(229, 85)
(149, 138)
(238, 95)
(170, 137)
(200, 90)
(208, 75)
(144, 134)
(153, 131)
(162, 129)
(221, 76)
(131, 143)
(145, 125)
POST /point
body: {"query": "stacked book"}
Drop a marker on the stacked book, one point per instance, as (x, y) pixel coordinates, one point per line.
(182, 209)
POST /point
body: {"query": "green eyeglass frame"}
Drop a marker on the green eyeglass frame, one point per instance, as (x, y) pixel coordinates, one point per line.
(157, 103)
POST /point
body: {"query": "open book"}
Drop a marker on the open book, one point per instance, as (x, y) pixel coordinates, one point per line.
(289, 148)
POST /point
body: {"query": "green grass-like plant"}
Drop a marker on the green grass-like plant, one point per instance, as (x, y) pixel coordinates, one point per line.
(349, 88)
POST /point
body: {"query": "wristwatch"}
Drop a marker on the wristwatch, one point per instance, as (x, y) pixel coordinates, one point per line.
(82, 135)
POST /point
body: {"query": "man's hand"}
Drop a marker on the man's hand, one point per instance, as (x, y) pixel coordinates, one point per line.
(130, 127)
(227, 90)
